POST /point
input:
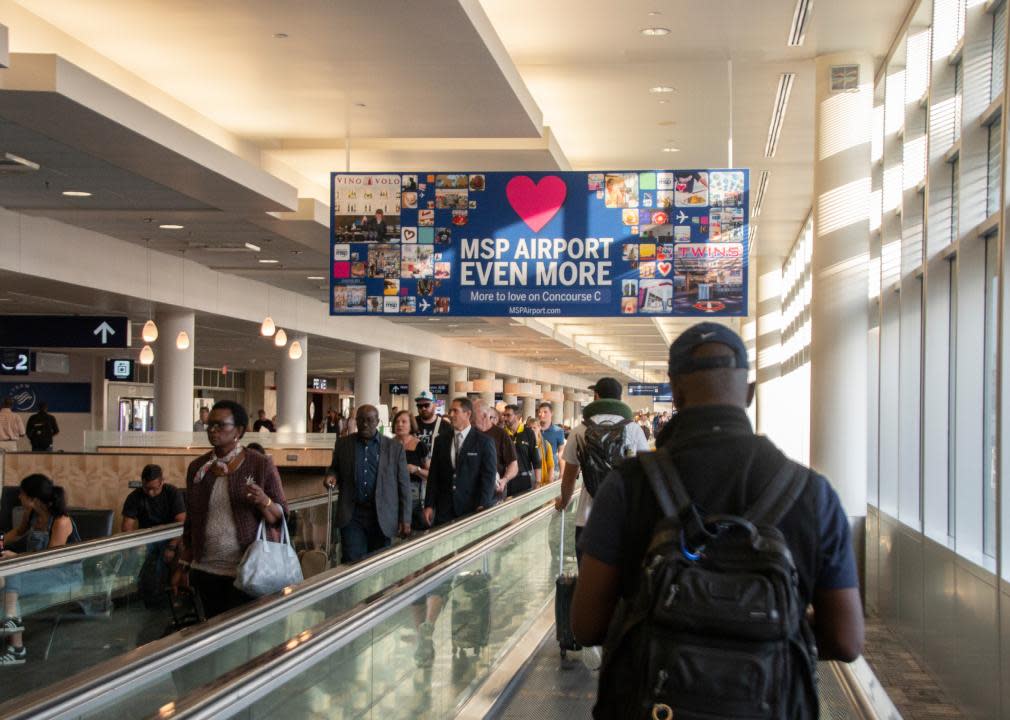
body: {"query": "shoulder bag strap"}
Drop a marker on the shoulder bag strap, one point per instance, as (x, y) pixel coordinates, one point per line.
(665, 482)
(782, 492)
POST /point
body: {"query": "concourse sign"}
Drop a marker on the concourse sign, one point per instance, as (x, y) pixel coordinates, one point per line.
(64, 331)
(540, 244)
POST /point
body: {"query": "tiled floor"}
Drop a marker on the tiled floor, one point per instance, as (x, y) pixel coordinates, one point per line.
(914, 692)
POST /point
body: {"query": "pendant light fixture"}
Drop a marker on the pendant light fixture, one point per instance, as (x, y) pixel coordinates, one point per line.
(281, 338)
(150, 331)
(295, 351)
(146, 355)
(182, 340)
(267, 329)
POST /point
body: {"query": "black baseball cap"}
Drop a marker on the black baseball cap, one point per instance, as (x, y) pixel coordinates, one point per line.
(682, 361)
(607, 387)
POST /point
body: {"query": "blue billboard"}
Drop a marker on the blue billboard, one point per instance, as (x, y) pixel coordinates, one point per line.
(571, 244)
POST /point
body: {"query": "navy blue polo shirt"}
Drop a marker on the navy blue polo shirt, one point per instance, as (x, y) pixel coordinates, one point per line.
(724, 467)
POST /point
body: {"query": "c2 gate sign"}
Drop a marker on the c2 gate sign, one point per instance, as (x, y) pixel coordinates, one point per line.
(576, 244)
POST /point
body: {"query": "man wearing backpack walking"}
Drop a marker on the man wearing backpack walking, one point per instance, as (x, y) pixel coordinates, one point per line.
(701, 561)
(606, 435)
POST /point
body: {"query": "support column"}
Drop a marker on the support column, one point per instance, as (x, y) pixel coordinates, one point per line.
(529, 406)
(488, 395)
(511, 399)
(457, 375)
(366, 378)
(839, 306)
(557, 406)
(173, 372)
(570, 408)
(769, 346)
(420, 378)
(292, 387)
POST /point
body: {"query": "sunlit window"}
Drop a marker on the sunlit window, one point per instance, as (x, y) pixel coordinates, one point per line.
(992, 171)
(951, 399)
(990, 406)
(958, 97)
(998, 50)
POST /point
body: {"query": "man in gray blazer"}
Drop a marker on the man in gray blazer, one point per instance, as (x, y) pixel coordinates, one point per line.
(370, 472)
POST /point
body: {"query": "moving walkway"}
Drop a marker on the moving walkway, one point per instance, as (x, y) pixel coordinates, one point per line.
(127, 680)
(495, 655)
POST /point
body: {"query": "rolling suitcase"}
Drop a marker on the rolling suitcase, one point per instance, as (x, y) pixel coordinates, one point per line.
(564, 591)
(471, 611)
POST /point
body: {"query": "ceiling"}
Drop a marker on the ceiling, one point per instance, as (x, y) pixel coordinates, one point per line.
(203, 115)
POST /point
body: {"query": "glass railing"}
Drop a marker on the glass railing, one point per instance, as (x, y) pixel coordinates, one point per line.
(140, 683)
(94, 439)
(115, 585)
(419, 652)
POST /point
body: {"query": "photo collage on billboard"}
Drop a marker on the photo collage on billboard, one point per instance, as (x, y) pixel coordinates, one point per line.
(676, 239)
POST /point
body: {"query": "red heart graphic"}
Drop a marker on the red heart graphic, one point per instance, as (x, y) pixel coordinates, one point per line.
(664, 268)
(536, 203)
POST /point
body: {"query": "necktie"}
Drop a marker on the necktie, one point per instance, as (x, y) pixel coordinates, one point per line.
(456, 443)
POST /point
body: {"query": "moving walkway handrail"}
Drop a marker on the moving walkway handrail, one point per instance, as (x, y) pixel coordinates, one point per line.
(251, 682)
(118, 542)
(70, 697)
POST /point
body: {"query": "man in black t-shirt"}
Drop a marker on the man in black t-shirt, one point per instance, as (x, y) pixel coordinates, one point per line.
(429, 425)
(263, 422)
(154, 503)
(41, 429)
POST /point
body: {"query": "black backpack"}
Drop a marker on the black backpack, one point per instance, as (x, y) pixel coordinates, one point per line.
(717, 627)
(601, 449)
(40, 432)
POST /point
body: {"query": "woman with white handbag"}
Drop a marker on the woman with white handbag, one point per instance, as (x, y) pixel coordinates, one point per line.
(229, 493)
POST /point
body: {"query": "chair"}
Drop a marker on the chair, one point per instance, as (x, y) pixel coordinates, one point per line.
(99, 575)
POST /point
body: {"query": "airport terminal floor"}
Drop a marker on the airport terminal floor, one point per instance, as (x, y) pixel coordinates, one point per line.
(453, 330)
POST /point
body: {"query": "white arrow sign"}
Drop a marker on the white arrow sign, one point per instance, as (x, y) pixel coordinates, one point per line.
(105, 329)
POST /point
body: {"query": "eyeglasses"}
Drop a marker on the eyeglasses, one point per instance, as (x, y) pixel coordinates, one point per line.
(219, 425)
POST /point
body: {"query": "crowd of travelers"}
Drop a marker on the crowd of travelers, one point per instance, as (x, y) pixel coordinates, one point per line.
(681, 517)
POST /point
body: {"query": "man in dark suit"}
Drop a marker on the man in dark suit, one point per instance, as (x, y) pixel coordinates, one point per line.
(374, 502)
(461, 479)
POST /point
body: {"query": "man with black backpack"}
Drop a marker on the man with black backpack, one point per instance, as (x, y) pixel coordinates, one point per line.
(702, 561)
(606, 435)
(41, 428)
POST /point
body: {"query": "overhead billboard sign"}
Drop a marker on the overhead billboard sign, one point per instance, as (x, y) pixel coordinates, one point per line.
(572, 244)
(659, 392)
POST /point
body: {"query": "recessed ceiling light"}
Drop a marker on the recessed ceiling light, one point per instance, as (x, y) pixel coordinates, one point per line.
(254, 248)
(171, 226)
(661, 89)
(667, 123)
(269, 261)
(315, 277)
(76, 193)
(671, 148)
(655, 31)
(280, 36)
(654, 13)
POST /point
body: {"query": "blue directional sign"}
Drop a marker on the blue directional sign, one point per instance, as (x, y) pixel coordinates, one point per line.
(61, 331)
(660, 392)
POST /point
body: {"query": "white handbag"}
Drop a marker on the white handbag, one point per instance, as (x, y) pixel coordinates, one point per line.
(268, 567)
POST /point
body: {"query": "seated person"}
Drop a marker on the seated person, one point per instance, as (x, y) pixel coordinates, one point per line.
(154, 503)
(45, 524)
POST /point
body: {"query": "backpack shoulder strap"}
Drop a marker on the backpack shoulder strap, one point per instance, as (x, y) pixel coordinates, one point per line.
(665, 482)
(780, 495)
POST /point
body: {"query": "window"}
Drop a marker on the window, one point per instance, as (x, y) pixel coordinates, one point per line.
(958, 95)
(951, 399)
(998, 51)
(989, 400)
(955, 182)
(992, 175)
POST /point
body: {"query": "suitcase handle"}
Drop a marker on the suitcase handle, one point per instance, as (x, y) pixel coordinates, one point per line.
(561, 549)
